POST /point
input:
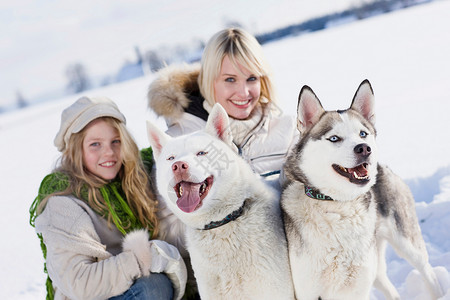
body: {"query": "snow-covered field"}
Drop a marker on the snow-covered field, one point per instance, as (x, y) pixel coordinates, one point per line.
(404, 54)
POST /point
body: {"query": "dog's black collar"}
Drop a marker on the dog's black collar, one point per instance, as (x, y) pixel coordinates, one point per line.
(231, 217)
(314, 194)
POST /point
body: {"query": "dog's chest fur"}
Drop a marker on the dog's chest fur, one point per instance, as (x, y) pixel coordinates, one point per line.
(244, 259)
(331, 240)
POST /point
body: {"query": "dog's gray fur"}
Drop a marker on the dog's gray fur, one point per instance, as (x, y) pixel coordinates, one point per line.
(337, 247)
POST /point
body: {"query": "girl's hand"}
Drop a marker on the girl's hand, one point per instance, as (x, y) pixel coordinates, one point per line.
(138, 242)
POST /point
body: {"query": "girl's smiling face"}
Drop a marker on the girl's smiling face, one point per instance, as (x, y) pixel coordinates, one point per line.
(101, 149)
(237, 89)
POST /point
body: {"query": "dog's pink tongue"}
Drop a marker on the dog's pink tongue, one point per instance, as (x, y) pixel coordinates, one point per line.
(190, 199)
(360, 170)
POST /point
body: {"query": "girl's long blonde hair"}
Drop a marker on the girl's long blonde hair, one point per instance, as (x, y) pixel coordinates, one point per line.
(134, 179)
(242, 48)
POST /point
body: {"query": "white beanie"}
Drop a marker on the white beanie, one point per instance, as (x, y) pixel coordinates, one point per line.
(79, 114)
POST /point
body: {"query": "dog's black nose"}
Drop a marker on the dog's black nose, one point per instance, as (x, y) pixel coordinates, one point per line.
(362, 150)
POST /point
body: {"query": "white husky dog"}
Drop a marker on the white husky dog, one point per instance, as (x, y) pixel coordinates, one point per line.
(341, 206)
(235, 235)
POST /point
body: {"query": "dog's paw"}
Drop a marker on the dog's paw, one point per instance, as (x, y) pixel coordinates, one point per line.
(138, 243)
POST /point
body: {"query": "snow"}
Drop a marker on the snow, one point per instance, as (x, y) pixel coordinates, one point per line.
(405, 56)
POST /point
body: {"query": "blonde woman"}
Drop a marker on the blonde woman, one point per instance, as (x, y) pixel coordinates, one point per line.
(96, 213)
(234, 73)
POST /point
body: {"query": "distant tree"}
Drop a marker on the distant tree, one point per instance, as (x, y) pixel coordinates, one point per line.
(154, 60)
(77, 77)
(139, 58)
(406, 3)
(361, 9)
(20, 100)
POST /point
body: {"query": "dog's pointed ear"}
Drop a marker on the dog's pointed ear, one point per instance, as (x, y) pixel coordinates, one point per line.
(364, 101)
(157, 138)
(218, 124)
(309, 109)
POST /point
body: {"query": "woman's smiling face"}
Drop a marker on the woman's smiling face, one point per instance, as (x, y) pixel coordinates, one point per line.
(237, 89)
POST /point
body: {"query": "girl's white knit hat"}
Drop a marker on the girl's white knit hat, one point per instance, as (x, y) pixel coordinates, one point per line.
(82, 112)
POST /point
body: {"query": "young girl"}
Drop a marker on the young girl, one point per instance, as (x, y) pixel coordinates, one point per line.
(95, 214)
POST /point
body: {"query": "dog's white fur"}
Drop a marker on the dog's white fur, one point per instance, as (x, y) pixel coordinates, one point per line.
(336, 248)
(246, 258)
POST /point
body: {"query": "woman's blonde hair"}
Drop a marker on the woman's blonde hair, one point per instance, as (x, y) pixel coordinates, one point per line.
(134, 179)
(242, 48)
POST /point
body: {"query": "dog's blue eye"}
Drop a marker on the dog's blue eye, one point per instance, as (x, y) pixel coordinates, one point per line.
(201, 153)
(171, 157)
(363, 134)
(334, 139)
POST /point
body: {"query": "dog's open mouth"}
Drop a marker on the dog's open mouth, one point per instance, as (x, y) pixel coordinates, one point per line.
(358, 174)
(191, 194)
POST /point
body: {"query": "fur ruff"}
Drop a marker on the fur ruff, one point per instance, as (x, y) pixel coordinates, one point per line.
(340, 244)
(244, 259)
(167, 94)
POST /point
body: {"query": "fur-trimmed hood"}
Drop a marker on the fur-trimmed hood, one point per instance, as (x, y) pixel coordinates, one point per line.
(167, 94)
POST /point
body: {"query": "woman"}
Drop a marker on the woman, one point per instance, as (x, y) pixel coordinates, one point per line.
(233, 72)
(95, 213)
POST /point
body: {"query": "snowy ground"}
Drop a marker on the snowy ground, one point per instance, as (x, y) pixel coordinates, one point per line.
(405, 56)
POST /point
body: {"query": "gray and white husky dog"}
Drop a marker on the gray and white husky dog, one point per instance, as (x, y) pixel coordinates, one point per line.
(234, 229)
(340, 206)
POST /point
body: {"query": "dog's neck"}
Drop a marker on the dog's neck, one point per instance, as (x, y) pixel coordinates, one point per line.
(231, 217)
(315, 194)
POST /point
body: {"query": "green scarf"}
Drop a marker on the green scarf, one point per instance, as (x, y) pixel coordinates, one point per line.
(112, 194)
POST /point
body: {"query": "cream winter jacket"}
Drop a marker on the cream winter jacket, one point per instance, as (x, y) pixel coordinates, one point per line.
(88, 260)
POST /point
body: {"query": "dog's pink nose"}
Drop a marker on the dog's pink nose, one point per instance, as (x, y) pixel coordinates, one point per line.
(180, 167)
